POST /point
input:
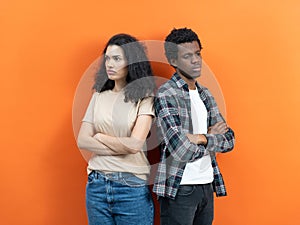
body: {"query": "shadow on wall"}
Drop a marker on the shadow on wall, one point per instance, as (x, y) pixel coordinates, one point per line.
(66, 167)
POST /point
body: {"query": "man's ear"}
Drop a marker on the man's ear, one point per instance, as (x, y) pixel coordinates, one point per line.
(173, 62)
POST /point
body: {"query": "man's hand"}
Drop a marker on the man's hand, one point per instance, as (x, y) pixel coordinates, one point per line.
(198, 139)
(218, 128)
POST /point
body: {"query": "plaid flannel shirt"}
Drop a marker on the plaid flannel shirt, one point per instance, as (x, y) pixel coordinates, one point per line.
(173, 110)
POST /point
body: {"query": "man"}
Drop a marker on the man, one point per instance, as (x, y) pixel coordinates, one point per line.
(192, 131)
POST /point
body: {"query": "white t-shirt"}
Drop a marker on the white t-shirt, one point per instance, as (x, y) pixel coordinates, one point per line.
(199, 171)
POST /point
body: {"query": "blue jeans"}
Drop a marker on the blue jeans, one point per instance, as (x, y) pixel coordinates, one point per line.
(118, 199)
(193, 205)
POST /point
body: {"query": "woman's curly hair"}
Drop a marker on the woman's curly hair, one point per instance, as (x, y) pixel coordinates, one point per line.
(140, 82)
(176, 37)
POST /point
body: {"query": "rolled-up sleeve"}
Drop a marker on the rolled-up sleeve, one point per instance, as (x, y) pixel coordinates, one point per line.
(217, 142)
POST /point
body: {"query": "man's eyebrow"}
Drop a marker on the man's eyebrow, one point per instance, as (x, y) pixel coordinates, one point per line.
(187, 53)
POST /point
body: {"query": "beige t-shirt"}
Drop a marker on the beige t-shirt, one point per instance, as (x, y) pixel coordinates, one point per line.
(109, 114)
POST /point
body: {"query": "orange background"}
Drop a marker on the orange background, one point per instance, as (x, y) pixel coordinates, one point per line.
(252, 47)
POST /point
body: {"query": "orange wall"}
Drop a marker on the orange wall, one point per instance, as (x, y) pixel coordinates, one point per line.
(252, 47)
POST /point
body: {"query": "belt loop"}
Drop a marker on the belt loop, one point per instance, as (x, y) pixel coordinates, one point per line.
(97, 174)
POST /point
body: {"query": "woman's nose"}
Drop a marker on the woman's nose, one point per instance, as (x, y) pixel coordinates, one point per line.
(109, 63)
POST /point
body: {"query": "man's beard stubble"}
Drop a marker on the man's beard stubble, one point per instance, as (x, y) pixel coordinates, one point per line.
(186, 75)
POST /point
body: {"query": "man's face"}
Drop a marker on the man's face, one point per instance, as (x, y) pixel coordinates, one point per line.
(189, 60)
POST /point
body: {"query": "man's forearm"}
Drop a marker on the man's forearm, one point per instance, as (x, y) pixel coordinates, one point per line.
(220, 142)
(198, 139)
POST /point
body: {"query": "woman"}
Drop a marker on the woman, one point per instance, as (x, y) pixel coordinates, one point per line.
(114, 129)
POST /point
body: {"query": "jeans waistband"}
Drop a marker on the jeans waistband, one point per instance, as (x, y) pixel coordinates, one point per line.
(112, 175)
(207, 184)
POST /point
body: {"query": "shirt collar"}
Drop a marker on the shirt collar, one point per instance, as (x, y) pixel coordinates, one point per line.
(181, 83)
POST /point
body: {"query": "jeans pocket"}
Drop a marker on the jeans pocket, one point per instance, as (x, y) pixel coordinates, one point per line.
(185, 190)
(133, 181)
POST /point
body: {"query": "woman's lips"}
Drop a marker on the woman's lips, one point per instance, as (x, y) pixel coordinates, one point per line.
(111, 72)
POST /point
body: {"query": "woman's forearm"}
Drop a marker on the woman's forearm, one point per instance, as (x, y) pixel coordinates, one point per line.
(103, 144)
(87, 141)
(93, 145)
(132, 144)
(122, 145)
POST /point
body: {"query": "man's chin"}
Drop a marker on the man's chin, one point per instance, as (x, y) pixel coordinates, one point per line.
(190, 75)
(195, 76)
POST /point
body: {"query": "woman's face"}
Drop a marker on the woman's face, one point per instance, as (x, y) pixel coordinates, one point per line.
(115, 63)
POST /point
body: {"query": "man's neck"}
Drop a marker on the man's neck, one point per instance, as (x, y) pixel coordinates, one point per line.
(190, 82)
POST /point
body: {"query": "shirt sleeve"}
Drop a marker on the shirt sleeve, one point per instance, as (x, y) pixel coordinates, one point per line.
(89, 114)
(146, 107)
(217, 142)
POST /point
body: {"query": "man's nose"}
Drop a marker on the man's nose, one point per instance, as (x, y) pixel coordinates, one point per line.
(196, 59)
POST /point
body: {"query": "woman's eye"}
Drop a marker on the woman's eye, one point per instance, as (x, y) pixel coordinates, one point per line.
(117, 58)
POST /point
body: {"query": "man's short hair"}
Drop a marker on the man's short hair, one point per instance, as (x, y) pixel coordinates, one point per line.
(176, 37)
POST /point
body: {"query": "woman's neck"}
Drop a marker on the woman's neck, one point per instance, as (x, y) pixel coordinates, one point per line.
(119, 85)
